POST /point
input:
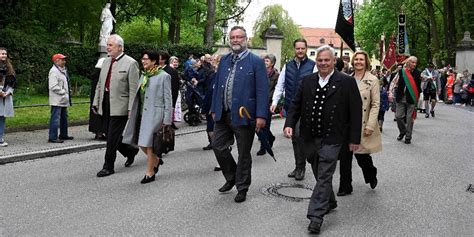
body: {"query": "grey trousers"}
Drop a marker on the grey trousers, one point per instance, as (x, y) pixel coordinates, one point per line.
(223, 138)
(296, 141)
(323, 160)
(405, 110)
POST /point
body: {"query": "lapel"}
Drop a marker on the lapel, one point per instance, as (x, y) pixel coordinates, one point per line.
(334, 83)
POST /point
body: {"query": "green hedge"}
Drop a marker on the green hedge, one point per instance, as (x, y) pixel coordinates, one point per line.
(31, 57)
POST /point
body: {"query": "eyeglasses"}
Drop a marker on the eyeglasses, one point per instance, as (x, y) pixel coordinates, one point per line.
(144, 59)
(237, 37)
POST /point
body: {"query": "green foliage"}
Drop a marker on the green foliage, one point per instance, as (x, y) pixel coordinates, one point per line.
(377, 17)
(284, 22)
(139, 30)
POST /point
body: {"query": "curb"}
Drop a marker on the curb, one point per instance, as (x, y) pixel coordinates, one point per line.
(65, 150)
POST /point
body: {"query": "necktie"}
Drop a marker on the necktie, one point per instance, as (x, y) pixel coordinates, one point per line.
(109, 75)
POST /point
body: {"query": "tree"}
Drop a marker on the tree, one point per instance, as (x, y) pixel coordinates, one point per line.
(276, 13)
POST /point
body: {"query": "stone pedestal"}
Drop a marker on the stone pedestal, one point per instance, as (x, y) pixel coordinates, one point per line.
(273, 40)
(102, 51)
(465, 54)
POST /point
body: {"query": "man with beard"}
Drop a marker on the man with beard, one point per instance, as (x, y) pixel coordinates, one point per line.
(241, 81)
(288, 82)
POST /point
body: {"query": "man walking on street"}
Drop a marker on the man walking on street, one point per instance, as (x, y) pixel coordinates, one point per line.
(115, 92)
(241, 81)
(431, 89)
(407, 95)
(59, 99)
(328, 106)
(288, 82)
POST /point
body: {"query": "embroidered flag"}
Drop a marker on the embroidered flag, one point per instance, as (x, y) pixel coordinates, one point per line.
(345, 23)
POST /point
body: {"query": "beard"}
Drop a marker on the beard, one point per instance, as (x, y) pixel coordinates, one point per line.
(238, 48)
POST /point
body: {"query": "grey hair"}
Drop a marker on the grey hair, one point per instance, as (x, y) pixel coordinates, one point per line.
(410, 59)
(325, 48)
(118, 40)
(172, 58)
(271, 57)
(239, 28)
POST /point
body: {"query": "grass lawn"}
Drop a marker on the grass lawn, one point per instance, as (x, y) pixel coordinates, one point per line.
(39, 116)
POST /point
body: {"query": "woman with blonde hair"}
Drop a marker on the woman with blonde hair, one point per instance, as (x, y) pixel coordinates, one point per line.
(370, 135)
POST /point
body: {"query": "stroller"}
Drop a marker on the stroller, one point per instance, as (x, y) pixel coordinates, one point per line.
(194, 101)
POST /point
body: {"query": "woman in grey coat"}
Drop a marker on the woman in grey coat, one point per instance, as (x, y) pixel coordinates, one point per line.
(7, 84)
(151, 110)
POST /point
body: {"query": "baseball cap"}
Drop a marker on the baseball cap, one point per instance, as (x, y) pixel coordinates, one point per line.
(57, 56)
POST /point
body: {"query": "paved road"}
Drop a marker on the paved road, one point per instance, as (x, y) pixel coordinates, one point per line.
(421, 191)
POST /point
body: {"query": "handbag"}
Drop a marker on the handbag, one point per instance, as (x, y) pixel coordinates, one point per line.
(163, 140)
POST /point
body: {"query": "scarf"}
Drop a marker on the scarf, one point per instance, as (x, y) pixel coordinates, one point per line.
(148, 74)
(411, 88)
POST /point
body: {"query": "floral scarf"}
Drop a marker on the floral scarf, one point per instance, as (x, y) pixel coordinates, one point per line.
(147, 75)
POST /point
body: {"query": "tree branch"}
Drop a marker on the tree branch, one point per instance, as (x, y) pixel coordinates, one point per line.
(236, 15)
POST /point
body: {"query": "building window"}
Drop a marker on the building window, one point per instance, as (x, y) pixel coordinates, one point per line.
(336, 54)
(322, 40)
(312, 53)
(346, 54)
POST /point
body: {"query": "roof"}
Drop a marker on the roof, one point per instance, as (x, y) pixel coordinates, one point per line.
(314, 37)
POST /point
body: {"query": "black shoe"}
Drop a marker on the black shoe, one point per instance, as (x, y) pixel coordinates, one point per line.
(66, 138)
(227, 186)
(299, 175)
(400, 136)
(55, 141)
(217, 168)
(343, 193)
(261, 152)
(147, 179)
(129, 161)
(208, 147)
(292, 174)
(332, 206)
(241, 196)
(432, 113)
(427, 115)
(174, 126)
(314, 227)
(374, 182)
(156, 168)
(407, 141)
(105, 172)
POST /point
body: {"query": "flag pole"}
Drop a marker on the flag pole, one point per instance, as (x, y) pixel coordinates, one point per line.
(342, 48)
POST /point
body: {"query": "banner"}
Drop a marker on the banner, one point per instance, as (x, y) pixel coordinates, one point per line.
(391, 56)
(345, 23)
(401, 33)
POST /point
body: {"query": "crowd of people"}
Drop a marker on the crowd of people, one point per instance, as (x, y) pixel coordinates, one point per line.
(334, 110)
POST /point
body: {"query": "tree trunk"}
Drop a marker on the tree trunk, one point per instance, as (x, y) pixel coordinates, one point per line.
(433, 31)
(210, 22)
(173, 25)
(450, 31)
(179, 7)
(113, 10)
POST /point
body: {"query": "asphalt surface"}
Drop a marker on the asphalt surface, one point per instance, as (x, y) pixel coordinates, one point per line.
(421, 191)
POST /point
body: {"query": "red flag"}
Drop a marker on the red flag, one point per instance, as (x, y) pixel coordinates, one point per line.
(390, 57)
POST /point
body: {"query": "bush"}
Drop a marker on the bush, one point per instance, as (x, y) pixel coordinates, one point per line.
(31, 58)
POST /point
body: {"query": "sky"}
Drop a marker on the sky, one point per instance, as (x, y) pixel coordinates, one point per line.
(307, 13)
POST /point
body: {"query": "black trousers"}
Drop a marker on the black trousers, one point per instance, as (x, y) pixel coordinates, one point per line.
(345, 168)
(297, 142)
(115, 127)
(223, 138)
(323, 160)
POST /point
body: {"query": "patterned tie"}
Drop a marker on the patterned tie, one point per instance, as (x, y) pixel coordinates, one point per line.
(230, 84)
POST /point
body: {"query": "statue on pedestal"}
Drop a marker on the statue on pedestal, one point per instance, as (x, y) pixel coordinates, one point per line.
(107, 25)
